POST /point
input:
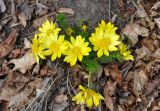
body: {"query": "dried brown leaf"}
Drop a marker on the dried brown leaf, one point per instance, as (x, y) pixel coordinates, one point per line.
(38, 22)
(16, 77)
(41, 9)
(27, 44)
(60, 98)
(154, 9)
(111, 87)
(142, 53)
(36, 69)
(109, 102)
(7, 45)
(157, 21)
(46, 71)
(23, 19)
(134, 30)
(66, 10)
(156, 54)
(113, 71)
(15, 53)
(140, 79)
(25, 63)
(22, 98)
(2, 6)
(148, 42)
(150, 87)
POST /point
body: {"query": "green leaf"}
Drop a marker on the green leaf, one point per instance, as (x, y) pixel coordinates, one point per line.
(113, 57)
(62, 20)
(91, 65)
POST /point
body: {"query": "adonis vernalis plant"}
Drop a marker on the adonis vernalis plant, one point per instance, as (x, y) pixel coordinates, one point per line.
(104, 40)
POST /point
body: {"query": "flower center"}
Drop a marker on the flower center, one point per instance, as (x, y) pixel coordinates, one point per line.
(77, 50)
(103, 43)
(55, 47)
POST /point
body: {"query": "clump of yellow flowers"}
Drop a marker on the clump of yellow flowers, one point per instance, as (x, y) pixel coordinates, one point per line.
(88, 96)
(49, 42)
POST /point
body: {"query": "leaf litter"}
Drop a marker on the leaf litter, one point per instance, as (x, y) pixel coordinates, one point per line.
(126, 86)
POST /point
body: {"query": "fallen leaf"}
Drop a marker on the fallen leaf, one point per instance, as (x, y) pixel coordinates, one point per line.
(16, 77)
(23, 19)
(156, 6)
(2, 6)
(140, 79)
(109, 101)
(26, 10)
(154, 9)
(36, 69)
(59, 107)
(106, 71)
(38, 22)
(19, 100)
(27, 44)
(148, 43)
(7, 92)
(41, 9)
(15, 53)
(113, 72)
(66, 10)
(60, 103)
(22, 98)
(13, 12)
(7, 45)
(157, 21)
(60, 98)
(156, 54)
(111, 87)
(37, 83)
(46, 71)
(4, 106)
(151, 86)
(25, 63)
(132, 31)
(143, 52)
(142, 13)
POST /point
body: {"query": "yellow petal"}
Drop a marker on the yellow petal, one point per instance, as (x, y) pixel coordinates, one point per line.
(99, 53)
(106, 52)
(96, 99)
(89, 102)
(79, 98)
(82, 88)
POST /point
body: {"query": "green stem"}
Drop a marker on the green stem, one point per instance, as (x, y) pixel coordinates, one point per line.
(89, 79)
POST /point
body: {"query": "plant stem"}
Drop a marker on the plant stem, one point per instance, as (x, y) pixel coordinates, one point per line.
(89, 79)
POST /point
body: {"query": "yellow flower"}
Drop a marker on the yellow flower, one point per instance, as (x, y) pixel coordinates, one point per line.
(104, 39)
(77, 48)
(48, 29)
(85, 28)
(124, 51)
(37, 49)
(56, 47)
(69, 31)
(88, 96)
